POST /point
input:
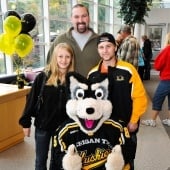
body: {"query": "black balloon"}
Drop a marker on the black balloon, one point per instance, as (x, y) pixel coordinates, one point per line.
(28, 22)
(11, 13)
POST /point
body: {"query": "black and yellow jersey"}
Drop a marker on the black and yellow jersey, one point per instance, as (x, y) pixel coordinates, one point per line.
(93, 149)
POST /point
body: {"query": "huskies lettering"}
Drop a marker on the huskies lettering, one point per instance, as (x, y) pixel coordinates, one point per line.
(100, 154)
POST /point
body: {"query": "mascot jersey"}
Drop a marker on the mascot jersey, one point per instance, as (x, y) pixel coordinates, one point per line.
(89, 127)
(93, 149)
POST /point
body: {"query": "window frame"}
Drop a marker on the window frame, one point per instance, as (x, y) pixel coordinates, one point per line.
(46, 18)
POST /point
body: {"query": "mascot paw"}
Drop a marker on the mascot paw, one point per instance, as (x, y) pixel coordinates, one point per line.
(72, 160)
(115, 159)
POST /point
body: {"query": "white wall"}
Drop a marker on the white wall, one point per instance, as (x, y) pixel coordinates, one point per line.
(161, 15)
(157, 18)
(161, 18)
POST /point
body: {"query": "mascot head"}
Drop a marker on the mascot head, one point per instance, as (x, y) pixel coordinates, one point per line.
(88, 103)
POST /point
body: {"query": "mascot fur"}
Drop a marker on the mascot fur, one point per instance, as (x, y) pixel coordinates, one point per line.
(89, 140)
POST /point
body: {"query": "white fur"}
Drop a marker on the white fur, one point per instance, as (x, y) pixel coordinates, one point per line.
(115, 159)
(77, 108)
(72, 160)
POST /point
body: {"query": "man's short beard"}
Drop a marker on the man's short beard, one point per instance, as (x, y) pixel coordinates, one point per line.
(82, 30)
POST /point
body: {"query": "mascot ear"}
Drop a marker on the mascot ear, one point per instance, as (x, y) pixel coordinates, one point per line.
(77, 76)
(70, 81)
(98, 78)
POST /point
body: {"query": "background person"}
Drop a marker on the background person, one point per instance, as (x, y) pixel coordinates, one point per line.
(128, 103)
(147, 51)
(162, 64)
(52, 111)
(128, 50)
(82, 39)
(119, 40)
(141, 64)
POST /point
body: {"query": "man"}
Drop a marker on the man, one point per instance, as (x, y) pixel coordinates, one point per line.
(147, 51)
(119, 40)
(82, 39)
(126, 91)
(128, 51)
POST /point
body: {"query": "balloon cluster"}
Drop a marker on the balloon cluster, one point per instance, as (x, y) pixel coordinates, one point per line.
(16, 38)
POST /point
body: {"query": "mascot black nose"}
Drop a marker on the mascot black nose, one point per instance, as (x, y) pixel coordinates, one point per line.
(90, 110)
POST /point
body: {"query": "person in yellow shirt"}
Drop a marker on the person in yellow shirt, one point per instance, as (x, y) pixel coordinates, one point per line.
(126, 91)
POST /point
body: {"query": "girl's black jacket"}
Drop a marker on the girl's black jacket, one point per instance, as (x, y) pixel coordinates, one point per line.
(52, 111)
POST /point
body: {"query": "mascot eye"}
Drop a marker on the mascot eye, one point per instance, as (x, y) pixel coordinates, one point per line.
(99, 93)
(80, 93)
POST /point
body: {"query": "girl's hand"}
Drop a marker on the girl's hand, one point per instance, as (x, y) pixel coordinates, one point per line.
(27, 131)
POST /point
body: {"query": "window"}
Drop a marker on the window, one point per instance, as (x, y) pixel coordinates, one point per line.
(161, 4)
(52, 19)
(2, 58)
(60, 12)
(103, 18)
(2, 64)
(36, 58)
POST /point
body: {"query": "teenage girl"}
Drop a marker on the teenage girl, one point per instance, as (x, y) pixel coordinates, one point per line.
(52, 111)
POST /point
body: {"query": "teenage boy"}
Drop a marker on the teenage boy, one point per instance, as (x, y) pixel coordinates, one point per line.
(126, 91)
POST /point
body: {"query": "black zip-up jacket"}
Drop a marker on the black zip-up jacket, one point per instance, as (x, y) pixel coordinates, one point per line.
(122, 109)
(52, 111)
(126, 91)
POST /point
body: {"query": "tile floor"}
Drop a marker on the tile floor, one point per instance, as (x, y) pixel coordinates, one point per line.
(153, 152)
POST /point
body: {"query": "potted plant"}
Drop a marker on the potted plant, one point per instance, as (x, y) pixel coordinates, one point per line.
(134, 11)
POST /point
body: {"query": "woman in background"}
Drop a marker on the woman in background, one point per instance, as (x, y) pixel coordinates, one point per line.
(147, 51)
(141, 64)
(52, 111)
(162, 64)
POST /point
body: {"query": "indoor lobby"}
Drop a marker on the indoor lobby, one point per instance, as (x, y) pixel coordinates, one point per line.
(52, 19)
(153, 151)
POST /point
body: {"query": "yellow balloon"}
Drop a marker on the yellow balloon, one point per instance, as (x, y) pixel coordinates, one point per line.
(7, 44)
(2, 43)
(12, 26)
(23, 45)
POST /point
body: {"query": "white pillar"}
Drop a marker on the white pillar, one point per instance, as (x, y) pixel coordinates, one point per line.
(46, 26)
(137, 31)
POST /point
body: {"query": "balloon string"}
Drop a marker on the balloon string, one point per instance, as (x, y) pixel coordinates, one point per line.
(17, 67)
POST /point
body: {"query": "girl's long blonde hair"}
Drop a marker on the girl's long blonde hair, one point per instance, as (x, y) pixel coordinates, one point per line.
(55, 76)
(167, 39)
